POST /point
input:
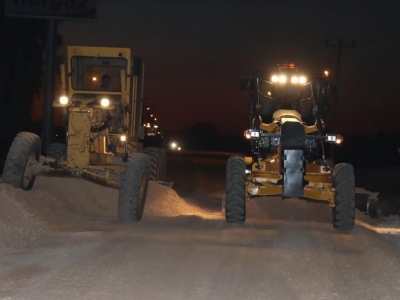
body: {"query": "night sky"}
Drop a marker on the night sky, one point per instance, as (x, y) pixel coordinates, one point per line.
(196, 51)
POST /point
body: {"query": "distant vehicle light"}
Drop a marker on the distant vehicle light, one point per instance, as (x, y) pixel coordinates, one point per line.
(105, 102)
(274, 78)
(302, 80)
(64, 100)
(123, 138)
(282, 79)
(173, 145)
(179, 148)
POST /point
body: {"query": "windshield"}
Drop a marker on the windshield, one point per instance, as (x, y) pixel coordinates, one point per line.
(97, 73)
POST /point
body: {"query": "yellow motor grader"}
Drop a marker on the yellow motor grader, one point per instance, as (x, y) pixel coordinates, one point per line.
(287, 148)
(101, 95)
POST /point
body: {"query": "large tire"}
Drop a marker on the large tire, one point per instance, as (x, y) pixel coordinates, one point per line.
(24, 151)
(157, 163)
(133, 190)
(235, 210)
(57, 151)
(344, 214)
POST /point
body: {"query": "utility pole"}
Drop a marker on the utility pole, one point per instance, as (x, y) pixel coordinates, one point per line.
(49, 83)
(339, 45)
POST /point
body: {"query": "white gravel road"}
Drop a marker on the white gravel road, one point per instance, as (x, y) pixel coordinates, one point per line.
(70, 246)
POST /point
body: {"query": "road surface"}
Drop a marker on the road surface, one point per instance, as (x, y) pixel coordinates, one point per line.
(285, 250)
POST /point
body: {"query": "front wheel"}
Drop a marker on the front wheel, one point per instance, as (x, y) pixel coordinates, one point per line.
(344, 214)
(235, 205)
(23, 154)
(133, 190)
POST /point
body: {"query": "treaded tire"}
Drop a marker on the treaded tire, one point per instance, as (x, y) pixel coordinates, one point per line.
(344, 214)
(157, 163)
(57, 151)
(24, 150)
(235, 209)
(133, 190)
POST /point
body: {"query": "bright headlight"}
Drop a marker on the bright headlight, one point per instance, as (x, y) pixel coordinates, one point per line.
(334, 138)
(105, 102)
(123, 138)
(282, 79)
(64, 100)
(295, 79)
(302, 79)
(274, 78)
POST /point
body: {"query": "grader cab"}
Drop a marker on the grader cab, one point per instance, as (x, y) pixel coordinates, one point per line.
(101, 96)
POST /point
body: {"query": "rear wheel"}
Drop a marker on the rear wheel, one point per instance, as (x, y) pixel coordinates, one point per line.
(23, 154)
(343, 214)
(157, 163)
(57, 151)
(235, 205)
(133, 190)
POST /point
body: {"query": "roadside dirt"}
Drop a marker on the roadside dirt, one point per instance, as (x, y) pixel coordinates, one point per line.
(25, 215)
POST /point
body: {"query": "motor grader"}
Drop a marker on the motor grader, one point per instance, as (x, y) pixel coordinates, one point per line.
(287, 136)
(101, 95)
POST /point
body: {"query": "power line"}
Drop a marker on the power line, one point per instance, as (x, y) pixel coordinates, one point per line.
(339, 47)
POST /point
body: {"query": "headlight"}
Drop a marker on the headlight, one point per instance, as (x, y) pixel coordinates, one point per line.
(282, 79)
(302, 79)
(63, 100)
(274, 78)
(105, 102)
(123, 138)
(295, 79)
(334, 138)
(255, 134)
(173, 145)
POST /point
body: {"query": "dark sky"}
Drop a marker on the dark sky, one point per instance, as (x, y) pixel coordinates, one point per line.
(196, 51)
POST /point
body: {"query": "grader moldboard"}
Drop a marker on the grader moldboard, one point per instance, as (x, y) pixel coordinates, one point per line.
(287, 148)
(101, 96)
